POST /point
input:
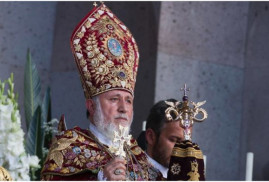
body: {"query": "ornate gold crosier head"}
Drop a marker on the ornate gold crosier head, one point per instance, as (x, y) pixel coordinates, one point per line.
(185, 114)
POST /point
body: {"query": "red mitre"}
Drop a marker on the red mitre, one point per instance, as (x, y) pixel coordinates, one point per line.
(105, 52)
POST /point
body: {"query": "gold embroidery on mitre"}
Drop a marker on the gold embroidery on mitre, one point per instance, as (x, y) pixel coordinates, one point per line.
(194, 175)
(104, 70)
(106, 53)
(103, 27)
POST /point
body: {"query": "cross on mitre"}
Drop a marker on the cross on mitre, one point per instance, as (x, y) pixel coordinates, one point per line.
(118, 142)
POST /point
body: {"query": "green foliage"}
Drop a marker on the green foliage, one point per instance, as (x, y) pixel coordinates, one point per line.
(46, 117)
(37, 114)
(10, 95)
(34, 145)
(2, 89)
(32, 89)
(33, 137)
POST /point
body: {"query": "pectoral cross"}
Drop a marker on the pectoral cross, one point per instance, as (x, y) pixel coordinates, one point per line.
(118, 142)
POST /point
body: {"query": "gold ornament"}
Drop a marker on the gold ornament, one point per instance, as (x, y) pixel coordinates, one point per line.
(176, 168)
(59, 145)
(186, 115)
(120, 139)
(194, 174)
(4, 175)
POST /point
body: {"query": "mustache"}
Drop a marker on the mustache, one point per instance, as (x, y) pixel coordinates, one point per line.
(123, 115)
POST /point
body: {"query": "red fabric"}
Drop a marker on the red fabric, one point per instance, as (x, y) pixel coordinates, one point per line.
(105, 52)
(83, 157)
(81, 22)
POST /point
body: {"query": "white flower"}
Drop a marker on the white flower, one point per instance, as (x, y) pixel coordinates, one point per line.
(25, 160)
(49, 126)
(34, 160)
(5, 117)
(15, 143)
(13, 162)
(12, 154)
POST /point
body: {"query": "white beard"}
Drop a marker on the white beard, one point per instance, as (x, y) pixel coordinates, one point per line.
(107, 128)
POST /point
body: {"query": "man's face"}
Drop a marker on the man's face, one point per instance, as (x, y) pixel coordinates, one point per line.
(117, 107)
(112, 108)
(162, 149)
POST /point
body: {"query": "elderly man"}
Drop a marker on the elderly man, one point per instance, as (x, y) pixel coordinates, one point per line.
(107, 59)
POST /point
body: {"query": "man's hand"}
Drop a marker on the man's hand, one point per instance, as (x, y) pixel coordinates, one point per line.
(115, 169)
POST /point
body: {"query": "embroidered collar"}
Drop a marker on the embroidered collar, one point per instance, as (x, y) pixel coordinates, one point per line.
(155, 164)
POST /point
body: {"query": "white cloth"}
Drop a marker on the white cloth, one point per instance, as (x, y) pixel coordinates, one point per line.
(103, 140)
(100, 176)
(161, 168)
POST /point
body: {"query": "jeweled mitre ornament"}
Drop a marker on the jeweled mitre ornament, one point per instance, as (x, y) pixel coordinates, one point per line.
(105, 52)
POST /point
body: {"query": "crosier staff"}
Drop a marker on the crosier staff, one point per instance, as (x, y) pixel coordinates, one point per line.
(186, 162)
(185, 114)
